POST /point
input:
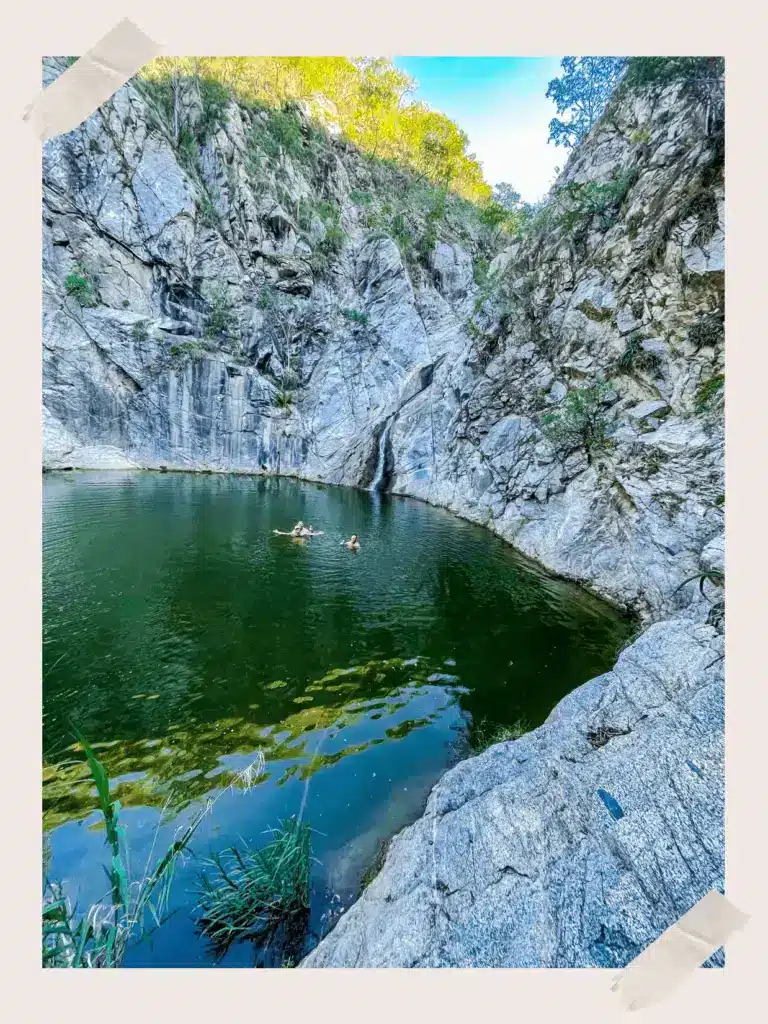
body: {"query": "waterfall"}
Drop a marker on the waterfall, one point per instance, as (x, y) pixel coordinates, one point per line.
(378, 476)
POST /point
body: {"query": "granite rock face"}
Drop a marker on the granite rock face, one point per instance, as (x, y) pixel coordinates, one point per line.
(205, 310)
(215, 340)
(575, 846)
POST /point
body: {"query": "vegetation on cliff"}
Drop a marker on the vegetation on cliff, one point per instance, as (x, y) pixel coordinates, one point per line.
(364, 99)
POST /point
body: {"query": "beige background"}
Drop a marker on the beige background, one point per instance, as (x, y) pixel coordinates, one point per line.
(400, 26)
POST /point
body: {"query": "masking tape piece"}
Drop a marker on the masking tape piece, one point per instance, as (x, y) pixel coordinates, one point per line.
(91, 80)
(678, 951)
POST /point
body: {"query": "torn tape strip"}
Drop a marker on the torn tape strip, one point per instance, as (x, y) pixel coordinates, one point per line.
(91, 80)
(678, 951)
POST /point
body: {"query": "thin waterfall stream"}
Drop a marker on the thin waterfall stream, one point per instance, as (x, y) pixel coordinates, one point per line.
(378, 476)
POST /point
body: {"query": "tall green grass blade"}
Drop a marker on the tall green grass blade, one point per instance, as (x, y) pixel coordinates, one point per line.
(163, 873)
(86, 932)
(51, 908)
(108, 943)
(109, 952)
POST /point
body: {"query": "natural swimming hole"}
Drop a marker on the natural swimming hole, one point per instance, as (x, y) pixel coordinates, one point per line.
(183, 639)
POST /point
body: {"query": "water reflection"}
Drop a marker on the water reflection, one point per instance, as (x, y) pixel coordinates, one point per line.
(183, 638)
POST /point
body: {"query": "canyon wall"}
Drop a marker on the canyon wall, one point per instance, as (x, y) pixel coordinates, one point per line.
(218, 333)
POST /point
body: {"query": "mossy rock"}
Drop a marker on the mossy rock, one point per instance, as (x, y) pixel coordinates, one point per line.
(593, 313)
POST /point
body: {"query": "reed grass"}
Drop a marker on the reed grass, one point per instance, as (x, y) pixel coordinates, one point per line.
(253, 893)
(260, 894)
(100, 937)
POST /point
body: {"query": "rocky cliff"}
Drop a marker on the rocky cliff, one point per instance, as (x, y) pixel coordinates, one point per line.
(254, 295)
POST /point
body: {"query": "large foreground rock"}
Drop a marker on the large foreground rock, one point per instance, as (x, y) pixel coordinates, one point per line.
(575, 846)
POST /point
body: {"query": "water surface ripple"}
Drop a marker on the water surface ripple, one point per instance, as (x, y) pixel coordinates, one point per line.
(183, 637)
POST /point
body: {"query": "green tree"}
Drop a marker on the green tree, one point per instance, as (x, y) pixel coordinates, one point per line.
(505, 195)
(366, 98)
(582, 91)
(221, 321)
(581, 422)
(663, 70)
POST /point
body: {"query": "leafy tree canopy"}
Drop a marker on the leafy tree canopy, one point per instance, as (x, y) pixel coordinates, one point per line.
(366, 99)
(663, 70)
(582, 92)
(505, 195)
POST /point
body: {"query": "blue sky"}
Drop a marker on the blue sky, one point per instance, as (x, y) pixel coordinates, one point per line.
(500, 103)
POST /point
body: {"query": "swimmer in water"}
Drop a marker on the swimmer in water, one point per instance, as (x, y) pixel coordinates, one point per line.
(300, 531)
(297, 531)
(310, 531)
(353, 544)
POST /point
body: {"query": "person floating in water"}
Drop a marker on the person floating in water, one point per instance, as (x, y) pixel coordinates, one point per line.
(299, 530)
(353, 544)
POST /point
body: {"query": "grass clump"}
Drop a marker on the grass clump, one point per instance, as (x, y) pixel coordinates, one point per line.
(208, 214)
(401, 234)
(221, 321)
(640, 135)
(256, 893)
(356, 316)
(484, 734)
(707, 391)
(595, 200)
(187, 348)
(480, 271)
(140, 330)
(100, 937)
(79, 285)
(189, 155)
(635, 357)
(215, 100)
(329, 247)
(434, 218)
(581, 422)
(708, 330)
(278, 132)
